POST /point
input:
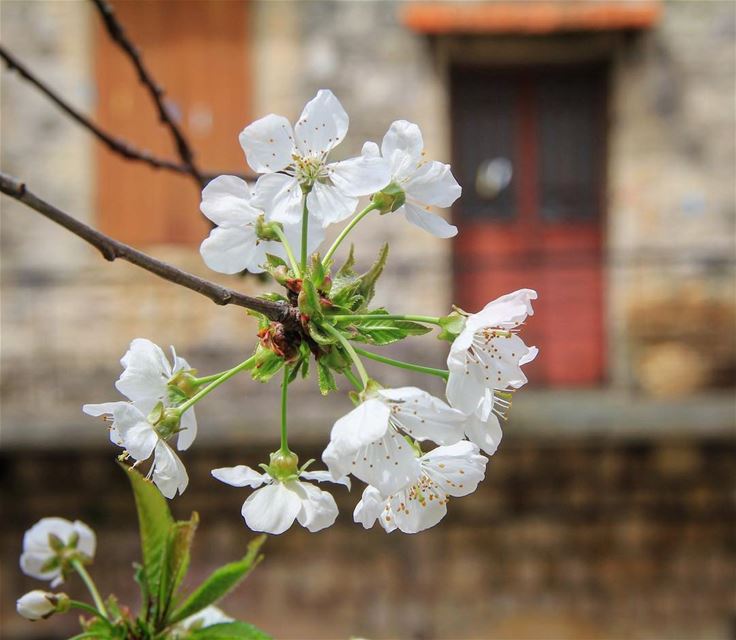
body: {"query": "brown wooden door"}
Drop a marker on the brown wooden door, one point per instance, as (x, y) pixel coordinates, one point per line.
(529, 149)
(198, 52)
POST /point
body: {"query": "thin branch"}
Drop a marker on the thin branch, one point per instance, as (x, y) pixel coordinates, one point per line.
(112, 249)
(115, 144)
(117, 33)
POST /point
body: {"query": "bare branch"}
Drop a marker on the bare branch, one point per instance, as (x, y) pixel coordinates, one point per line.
(115, 144)
(117, 33)
(112, 249)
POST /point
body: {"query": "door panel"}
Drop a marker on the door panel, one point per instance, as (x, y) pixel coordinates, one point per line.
(529, 150)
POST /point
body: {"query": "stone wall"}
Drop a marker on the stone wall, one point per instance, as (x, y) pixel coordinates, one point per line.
(564, 539)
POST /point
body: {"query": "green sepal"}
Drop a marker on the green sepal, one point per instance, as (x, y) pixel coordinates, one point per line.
(389, 199)
(229, 631)
(220, 582)
(452, 326)
(325, 378)
(267, 364)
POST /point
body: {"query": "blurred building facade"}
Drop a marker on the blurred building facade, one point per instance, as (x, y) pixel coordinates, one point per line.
(595, 143)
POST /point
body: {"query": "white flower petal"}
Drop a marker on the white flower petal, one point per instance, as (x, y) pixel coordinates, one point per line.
(428, 221)
(505, 312)
(226, 201)
(329, 205)
(268, 143)
(364, 424)
(169, 473)
(240, 476)
(102, 408)
(188, 433)
(417, 515)
(423, 416)
(87, 542)
(486, 434)
(406, 139)
(433, 184)
(271, 509)
(318, 510)
(229, 249)
(147, 371)
(139, 440)
(360, 176)
(280, 197)
(457, 469)
(322, 125)
(325, 476)
(464, 391)
(369, 508)
(388, 463)
(370, 150)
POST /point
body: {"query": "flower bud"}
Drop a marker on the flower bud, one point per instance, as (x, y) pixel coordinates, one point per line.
(389, 199)
(39, 605)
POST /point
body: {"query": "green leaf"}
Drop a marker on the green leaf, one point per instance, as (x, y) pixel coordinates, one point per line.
(319, 336)
(155, 521)
(273, 297)
(267, 364)
(347, 268)
(229, 630)
(220, 582)
(325, 378)
(273, 261)
(369, 278)
(382, 331)
(176, 563)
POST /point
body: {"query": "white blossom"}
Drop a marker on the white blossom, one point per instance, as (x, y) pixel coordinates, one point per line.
(485, 363)
(134, 431)
(40, 559)
(145, 381)
(426, 183)
(233, 245)
(369, 441)
(294, 162)
(36, 605)
(207, 617)
(453, 470)
(275, 504)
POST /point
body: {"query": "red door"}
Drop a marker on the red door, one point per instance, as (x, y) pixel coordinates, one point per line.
(529, 150)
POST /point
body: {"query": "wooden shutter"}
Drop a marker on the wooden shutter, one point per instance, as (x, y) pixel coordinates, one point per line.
(198, 52)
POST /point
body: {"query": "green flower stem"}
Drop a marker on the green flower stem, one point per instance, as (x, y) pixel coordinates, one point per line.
(305, 234)
(441, 373)
(83, 606)
(91, 587)
(289, 252)
(206, 379)
(347, 230)
(350, 351)
(353, 380)
(284, 423)
(247, 364)
(386, 316)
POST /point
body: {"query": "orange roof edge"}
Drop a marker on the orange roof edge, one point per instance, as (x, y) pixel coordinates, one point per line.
(536, 17)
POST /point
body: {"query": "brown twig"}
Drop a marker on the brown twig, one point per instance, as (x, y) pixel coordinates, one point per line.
(115, 144)
(112, 249)
(118, 35)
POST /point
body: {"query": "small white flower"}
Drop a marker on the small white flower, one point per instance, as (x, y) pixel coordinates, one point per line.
(205, 618)
(485, 360)
(234, 245)
(36, 605)
(145, 381)
(369, 441)
(299, 155)
(274, 507)
(50, 543)
(133, 431)
(455, 471)
(426, 183)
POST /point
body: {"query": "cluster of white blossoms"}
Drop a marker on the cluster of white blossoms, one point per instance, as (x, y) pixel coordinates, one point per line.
(414, 451)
